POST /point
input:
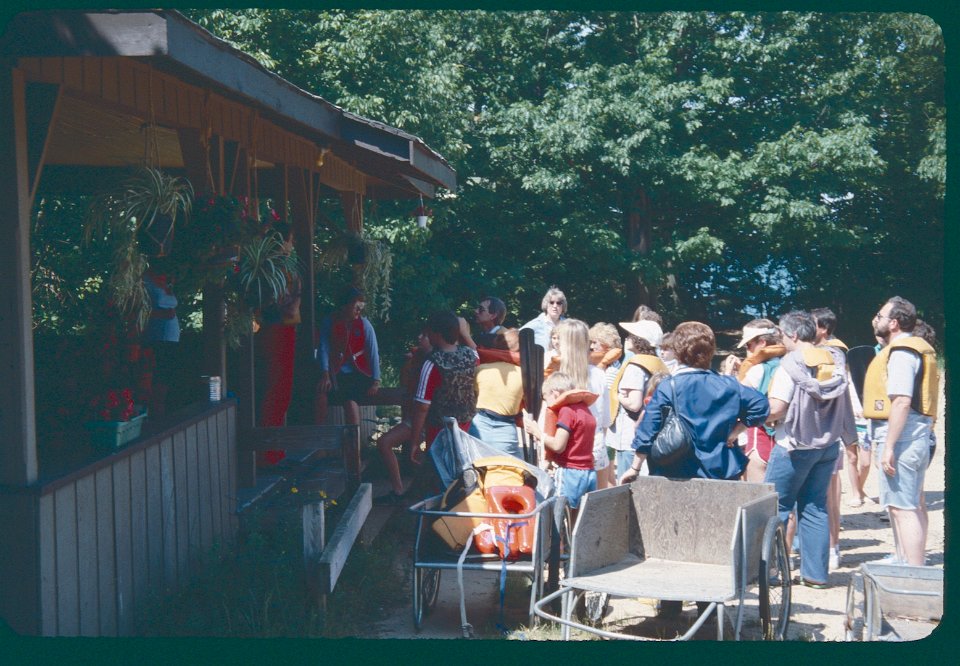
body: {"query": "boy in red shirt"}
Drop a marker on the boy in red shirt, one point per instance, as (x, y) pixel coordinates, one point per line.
(571, 446)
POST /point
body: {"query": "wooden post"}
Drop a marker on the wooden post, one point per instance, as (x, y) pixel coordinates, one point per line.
(19, 548)
(313, 517)
(352, 464)
(305, 380)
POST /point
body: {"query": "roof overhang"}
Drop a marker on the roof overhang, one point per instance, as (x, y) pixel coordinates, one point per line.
(398, 163)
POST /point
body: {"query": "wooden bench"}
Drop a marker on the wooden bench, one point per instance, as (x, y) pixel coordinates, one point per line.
(303, 445)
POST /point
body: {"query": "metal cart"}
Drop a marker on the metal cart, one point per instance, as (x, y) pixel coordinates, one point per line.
(681, 540)
(893, 602)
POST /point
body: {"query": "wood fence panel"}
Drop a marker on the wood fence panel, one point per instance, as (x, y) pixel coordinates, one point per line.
(216, 490)
(139, 527)
(106, 553)
(180, 500)
(193, 496)
(169, 507)
(68, 592)
(123, 540)
(154, 494)
(87, 556)
(48, 567)
(229, 503)
(203, 476)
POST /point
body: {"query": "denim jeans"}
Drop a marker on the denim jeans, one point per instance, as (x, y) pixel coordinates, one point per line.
(802, 477)
(498, 434)
(624, 460)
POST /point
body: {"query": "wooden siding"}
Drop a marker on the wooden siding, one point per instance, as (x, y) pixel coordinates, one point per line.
(136, 525)
(136, 88)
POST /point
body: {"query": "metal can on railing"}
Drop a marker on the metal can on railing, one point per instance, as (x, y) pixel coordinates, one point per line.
(214, 389)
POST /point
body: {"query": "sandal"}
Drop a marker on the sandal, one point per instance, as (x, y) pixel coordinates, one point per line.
(800, 580)
(855, 503)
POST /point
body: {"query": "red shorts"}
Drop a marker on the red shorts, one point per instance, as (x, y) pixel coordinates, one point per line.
(758, 440)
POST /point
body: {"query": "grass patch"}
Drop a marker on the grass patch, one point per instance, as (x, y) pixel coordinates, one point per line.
(258, 587)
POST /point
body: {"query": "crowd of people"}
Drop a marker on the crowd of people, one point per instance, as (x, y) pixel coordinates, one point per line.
(786, 412)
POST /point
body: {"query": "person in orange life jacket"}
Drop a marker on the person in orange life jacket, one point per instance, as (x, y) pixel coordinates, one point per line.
(403, 432)
(900, 401)
(811, 409)
(348, 357)
(447, 383)
(570, 445)
(489, 316)
(826, 322)
(761, 337)
(500, 392)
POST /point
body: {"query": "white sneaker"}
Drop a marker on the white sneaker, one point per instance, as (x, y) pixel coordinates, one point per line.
(889, 559)
(835, 558)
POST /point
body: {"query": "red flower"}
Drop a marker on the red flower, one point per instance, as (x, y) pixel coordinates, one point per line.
(275, 215)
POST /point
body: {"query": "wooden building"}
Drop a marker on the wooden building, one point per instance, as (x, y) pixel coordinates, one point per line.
(78, 90)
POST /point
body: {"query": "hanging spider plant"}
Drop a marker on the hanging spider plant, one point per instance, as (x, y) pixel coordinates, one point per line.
(144, 207)
(266, 265)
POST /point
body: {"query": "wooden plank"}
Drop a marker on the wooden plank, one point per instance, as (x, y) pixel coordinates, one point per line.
(87, 556)
(109, 82)
(141, 86)
(106, 553)
(313, 518)
(193, 495)
(92, 76)
(219, 424)
(180, 501)
(48, 566)
(223, 505)
(341, 541)
(73, 73)
(68, 586)
(125, 80)
(122, 517)
(140, 527)
(203, 474)
(229, 500)
(154, 521)
(600, 536)
(168, 504)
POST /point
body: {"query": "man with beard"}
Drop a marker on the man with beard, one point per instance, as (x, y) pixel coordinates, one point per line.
(900, 399)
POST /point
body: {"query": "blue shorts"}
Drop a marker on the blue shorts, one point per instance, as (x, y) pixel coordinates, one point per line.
(574, 484)
(902, 490)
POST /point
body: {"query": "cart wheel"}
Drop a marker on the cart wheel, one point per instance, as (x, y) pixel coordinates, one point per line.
(774, 583)
(426, 589)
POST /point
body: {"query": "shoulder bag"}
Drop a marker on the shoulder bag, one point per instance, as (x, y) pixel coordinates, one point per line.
(674, 442)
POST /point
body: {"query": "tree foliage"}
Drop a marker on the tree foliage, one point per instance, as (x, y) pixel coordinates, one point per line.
(715, 165)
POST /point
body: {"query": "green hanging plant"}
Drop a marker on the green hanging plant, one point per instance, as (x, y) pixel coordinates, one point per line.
(371, 262)
(266, 265)
(142, 209)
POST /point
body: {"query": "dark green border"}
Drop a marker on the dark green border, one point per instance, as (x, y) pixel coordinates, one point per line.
(16, 650)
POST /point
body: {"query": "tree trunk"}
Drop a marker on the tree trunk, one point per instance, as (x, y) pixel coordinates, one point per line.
(637, 232)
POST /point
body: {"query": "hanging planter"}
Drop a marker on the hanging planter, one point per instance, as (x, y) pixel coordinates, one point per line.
(422, 215)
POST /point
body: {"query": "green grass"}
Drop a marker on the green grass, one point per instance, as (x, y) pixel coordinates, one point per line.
(258, 587)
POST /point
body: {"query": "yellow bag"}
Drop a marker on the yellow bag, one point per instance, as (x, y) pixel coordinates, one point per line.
(466, 495)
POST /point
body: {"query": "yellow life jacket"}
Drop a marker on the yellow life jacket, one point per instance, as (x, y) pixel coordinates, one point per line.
(652, 364)
(820, 361)
(876, 402)
(835, 342)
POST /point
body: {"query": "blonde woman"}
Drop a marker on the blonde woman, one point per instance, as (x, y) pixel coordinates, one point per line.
(574, 343)
(606, 353)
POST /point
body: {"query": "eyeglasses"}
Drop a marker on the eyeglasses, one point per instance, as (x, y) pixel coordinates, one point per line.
(880, 315)
(556, 302)
(480, 308)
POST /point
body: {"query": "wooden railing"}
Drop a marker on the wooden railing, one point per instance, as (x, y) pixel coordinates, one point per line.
(135, 523)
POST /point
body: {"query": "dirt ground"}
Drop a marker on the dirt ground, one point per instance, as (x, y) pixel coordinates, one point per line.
(817, 615)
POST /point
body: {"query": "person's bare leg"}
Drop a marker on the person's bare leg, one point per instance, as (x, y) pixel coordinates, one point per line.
(351, 412)
(833, 510)
(853, 474)
(791, 531)
(864, 459)
(908, 533)
(756, 468)
(394, 437)
(321, 406)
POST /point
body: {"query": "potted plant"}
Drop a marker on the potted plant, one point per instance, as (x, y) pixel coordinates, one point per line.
(139, 217)
(116, 419)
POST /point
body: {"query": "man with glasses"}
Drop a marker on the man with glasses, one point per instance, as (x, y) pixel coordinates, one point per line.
(900, 394)
(489, 316)
(554, 307)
